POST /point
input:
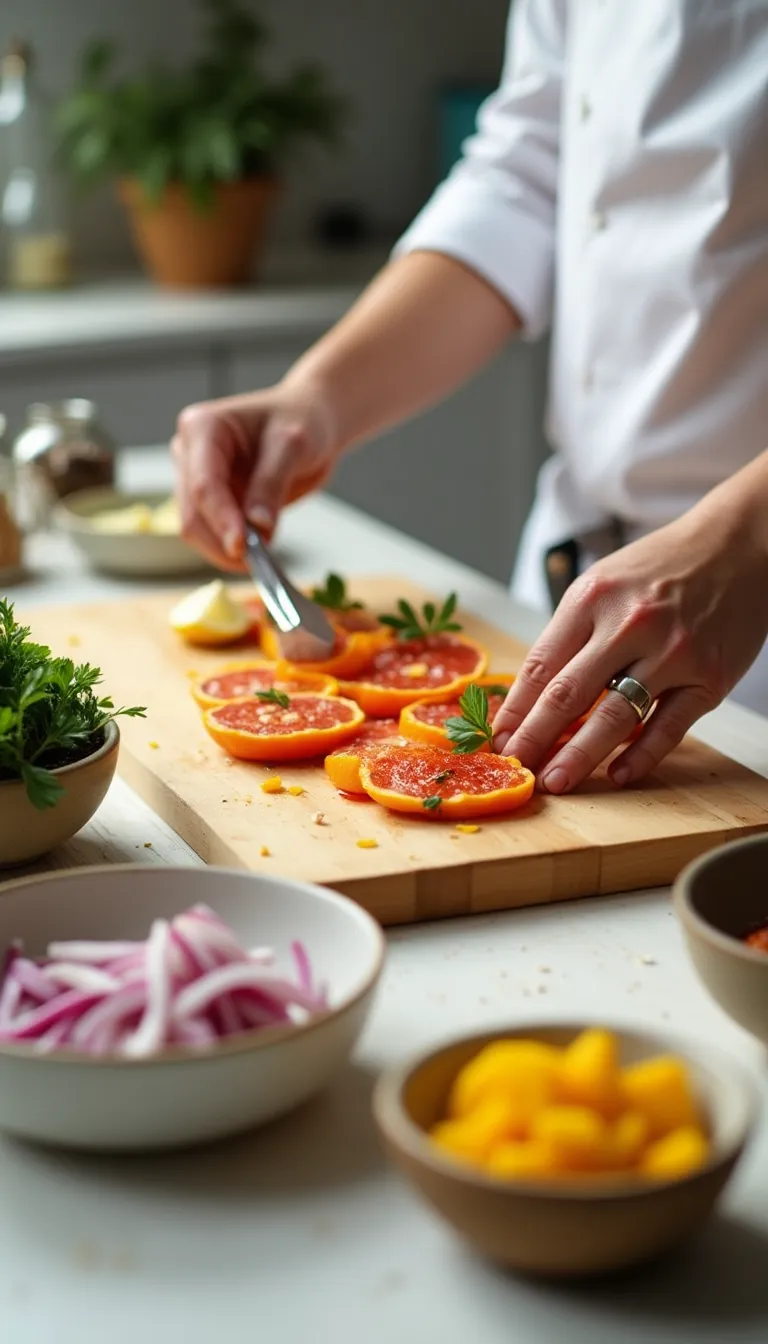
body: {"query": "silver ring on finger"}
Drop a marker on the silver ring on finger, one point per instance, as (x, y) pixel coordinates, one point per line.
(634, 692)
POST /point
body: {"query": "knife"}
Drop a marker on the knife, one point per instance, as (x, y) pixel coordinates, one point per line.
(304, 632)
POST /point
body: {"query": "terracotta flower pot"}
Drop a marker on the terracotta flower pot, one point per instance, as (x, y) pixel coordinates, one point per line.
(183, 247)
(27, 833)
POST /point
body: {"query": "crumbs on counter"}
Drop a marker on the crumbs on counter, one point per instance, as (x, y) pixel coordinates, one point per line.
(467, 828)
(264, 852)
(147, 844)
(272, 785)
(74, 641)
(153, 746)
(367, 844)
(296, 790)
(646, 960)
(319, 819)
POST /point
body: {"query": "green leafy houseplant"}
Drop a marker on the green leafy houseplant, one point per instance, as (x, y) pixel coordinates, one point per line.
(221, 120)
(50, 714)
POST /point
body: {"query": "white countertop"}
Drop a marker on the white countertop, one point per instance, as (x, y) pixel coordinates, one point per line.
(301, 292)
(299, 1233)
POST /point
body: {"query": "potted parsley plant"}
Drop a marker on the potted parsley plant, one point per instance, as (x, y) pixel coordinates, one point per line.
(197, 152)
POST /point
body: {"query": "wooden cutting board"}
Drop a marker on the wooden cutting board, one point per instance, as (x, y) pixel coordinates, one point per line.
(596, 841)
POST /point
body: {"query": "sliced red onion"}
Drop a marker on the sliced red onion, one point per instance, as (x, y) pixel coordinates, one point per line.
(72, 975)
(34, 981)
(150, 1035)
(92, 953)
(190, 984)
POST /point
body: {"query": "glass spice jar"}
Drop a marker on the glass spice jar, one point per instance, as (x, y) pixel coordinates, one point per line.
(61, 450)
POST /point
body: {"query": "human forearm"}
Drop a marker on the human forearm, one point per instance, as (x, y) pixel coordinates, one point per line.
(424, 326)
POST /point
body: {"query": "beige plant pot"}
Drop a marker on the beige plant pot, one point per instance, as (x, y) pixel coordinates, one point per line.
(27, 833)
(184, 248)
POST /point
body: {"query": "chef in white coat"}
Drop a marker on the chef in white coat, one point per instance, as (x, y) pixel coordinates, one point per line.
(616, 191)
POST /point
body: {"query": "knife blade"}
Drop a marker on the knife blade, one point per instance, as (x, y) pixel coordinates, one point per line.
(304, 632)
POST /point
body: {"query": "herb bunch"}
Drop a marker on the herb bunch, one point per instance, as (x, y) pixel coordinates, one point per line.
(50, 712)
(472, 731)
(433, 620)
(333, 596)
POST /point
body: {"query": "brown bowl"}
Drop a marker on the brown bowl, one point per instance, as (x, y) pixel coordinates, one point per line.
(26, 833)
(553, 1228)
(719, 898)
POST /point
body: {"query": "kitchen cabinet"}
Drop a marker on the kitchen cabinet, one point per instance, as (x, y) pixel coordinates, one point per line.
(459, 478)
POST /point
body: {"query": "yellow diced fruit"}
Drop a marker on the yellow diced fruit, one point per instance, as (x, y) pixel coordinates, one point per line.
(676, 1155)
(626, 1141)
(467, 828)
(272, 785)
(589, 1072)
(524, 1072)
(659, 1088)
(521, 1161)
(296, 790)
(367, 843)
(473, 1137)
(577, 1136)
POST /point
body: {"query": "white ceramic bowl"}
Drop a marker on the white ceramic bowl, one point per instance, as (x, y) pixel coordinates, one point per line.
(132, 553)
(182, 1097)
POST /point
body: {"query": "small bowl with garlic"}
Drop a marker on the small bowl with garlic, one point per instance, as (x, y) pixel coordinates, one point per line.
(128, 534)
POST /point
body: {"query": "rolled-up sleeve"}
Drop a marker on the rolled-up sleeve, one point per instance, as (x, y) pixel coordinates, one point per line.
(496, 210)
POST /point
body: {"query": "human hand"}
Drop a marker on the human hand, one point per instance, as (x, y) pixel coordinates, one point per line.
(245, 458)
(684, 611)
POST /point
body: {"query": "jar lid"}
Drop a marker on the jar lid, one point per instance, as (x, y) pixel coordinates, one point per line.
(73, 410)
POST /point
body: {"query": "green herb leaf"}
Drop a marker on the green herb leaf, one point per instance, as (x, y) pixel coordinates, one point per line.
(334, 595)
(432, 804)
(472, 731)
(50, 714)
(441, 778)
(497, 690)
(274, 697)
(431, 622)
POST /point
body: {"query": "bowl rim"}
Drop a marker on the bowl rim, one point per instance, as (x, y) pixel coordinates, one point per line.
(111, 743)
(398, 1128)
(67, 513)
(244, 1042)
(695, 923)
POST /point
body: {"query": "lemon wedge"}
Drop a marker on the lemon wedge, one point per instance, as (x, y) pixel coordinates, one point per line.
(210, 616)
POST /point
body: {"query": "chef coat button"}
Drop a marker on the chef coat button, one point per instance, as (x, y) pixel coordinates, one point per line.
(585, 108)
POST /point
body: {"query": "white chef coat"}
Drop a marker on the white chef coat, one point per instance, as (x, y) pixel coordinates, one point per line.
(617, 190)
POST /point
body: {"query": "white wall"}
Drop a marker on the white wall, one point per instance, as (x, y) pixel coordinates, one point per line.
(388, 56)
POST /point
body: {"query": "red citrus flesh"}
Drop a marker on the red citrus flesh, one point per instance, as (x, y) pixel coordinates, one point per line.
(265, 718)
(416, 772)
(442, 658)
(437, 714)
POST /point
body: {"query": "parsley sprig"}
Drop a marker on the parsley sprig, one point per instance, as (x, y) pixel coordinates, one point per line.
(472, 731)
(433, 621)
(433, 803)
(50, 713)
(274, 697)
(334, 595)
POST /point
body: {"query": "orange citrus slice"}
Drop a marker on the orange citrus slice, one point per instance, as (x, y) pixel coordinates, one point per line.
(431, 782)
(257, 730)
(237, 680)
(435, 667)
(354, 650)
(343, 765)
(425, 720)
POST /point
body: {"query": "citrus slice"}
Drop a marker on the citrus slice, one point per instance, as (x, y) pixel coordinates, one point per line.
(209, 616)
(431, 782)
(343, 765)
(352, 652)
(424, 721)
(435, 667)
(309, 725)
(237, 680)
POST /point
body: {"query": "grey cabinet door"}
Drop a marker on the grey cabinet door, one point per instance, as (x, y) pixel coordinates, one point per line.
(138, 395)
